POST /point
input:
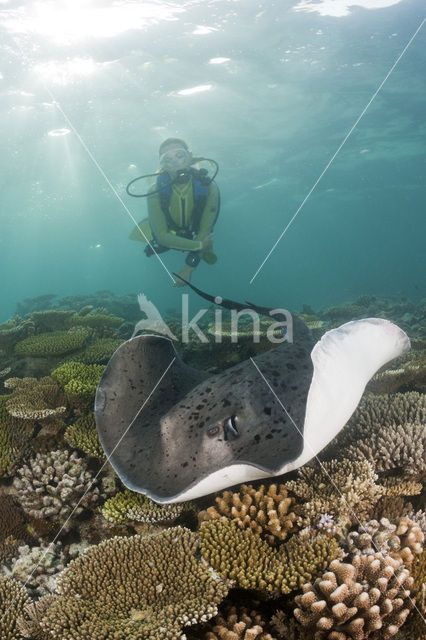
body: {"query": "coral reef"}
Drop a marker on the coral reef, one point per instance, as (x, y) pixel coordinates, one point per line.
(56, 486)
(83, 435)
(55, 343)
(127, 506)
(78, 380)
(401, 447)
(345, 489)
(15, 436)
(133, 589)
(408, 375)
(100, 351)
(37, 567)
(12, 521)
(241, 555)
(368, 597)
(265, 510)
(13, 599)
(34, 399)
(234, 624)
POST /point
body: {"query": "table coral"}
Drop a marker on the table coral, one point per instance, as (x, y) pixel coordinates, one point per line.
(34, 399)
(265, 510)
(100, 351)
(83, 435)
(137, 588)
(241, 555)
(55, 485)
(54, 343)
(366, 597)
(13, 599)
(94, 321)
(15, 436)
(344, 488)
(127, 505)
(50, 319)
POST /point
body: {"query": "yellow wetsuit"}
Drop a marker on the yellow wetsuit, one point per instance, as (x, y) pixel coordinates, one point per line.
(181, 208)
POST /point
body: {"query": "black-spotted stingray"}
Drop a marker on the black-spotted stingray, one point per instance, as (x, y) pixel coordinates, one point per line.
(174, 433)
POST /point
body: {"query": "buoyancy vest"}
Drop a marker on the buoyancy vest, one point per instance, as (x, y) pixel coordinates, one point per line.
(200, 187)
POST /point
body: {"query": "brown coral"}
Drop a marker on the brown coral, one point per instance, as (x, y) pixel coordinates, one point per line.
(265, 510)
(15, 436)
(344, 488)
(234, 624)
(13, 599)
(133, 588)
(34, 399)
(366, 598)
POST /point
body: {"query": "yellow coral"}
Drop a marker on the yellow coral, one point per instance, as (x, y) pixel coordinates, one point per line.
(79, 380)
(84, 435)
(15, 436)
(127, 505)
(243, 557)
(54, 343)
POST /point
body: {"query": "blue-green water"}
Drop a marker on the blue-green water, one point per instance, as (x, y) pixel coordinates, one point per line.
(279, 87)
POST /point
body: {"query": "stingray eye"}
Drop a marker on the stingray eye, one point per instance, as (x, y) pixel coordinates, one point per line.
(213, 430)
(230, 428)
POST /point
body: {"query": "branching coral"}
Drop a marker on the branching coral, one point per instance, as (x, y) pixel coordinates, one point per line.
(368, 597)
(34, 399)
(100, 351)
(13, 599)
(55, 485)
(401, 447)
(54, 343)
(128, 505)
(78, 380)
(409, 375)
(404, 539)
(266, 510)
(396, 487)
(84, 435)
(12, 522)
(345, 489)
(137, 588)
(376, 412)
(245, 558)
(15, 436)
(234, 624)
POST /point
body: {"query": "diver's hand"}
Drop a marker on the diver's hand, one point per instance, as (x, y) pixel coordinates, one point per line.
(185, 273)
(207, 243)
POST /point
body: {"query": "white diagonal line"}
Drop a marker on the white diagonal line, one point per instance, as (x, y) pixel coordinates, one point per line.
(333, 157)
(305, 442)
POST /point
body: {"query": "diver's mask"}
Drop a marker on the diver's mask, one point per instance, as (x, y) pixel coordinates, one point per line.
(175, 160)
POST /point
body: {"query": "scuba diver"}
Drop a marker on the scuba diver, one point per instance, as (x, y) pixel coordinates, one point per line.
(183, 206)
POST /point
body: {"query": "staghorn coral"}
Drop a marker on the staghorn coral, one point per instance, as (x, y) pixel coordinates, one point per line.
(55, 343)
(265, 510)
(34, 399)
(100, 351)
(84, 435)
(242, 556)
(29, 622)
(234, 624)
(127, 505)
(345, 489)
(13, 599)
(55, 486)
(401, 447)
(15, 436)
(78, 380)
(37, 567)
(376, 412)
(368, 597)
(392, 508)
(137, 588)
(404, 539)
